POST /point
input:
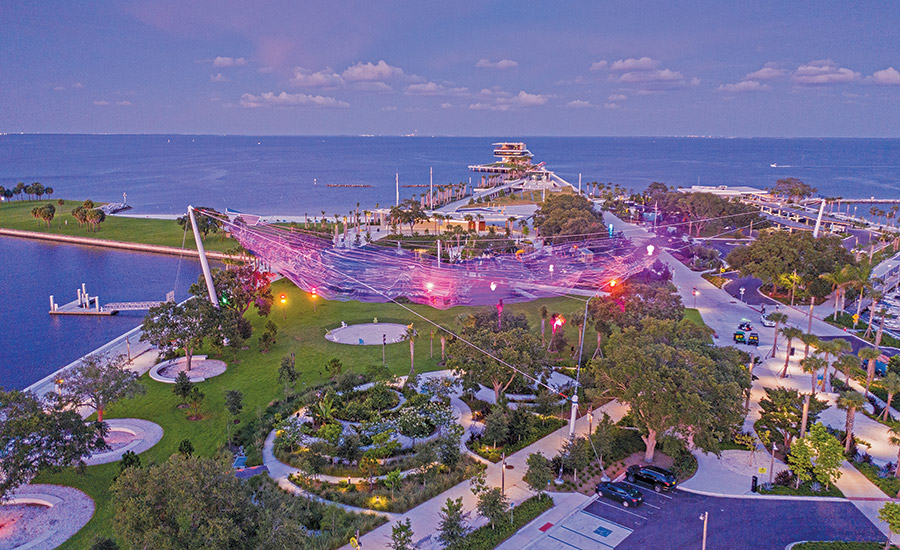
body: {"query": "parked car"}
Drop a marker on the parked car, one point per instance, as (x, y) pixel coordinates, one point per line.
(745, 325)
(620, 492)
(753, 339)
(766, 322)
(658, 478)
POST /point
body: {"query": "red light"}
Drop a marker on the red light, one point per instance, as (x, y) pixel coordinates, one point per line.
(314, 292)
(283, 299)
(612, 283)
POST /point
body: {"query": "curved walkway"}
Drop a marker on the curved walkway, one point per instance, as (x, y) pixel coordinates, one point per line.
(145, 434)
(280, 472)
(67, 511)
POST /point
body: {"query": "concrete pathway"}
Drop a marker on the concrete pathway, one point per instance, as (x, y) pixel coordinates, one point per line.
(145, 434)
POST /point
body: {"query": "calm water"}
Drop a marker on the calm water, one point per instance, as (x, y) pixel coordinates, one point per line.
(275, 175)
(33, 343)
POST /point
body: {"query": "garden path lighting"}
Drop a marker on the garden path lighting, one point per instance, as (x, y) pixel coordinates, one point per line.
(695, 292)
(283, 307)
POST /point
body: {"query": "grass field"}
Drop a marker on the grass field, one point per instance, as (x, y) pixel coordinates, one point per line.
(693, 315)
(17, 215)
(255, 374)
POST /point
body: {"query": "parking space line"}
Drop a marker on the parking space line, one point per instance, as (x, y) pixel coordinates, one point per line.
(651, 491)
(587, 537)
(652, 505)
(621, 509)
(630, 530)
(564, 542)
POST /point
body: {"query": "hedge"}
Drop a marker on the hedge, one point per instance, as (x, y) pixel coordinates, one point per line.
(486, 538)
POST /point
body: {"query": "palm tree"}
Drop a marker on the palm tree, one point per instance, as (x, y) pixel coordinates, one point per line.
(862, 282)
(876, 296)
(891, 384)
(779, 318)
(832, 347)
(809, 339)
(543, 311)
(869, 355)
(811, 365)
(410, 335)
(850, 401)
(845, 363)
(895, 440)
(790, 333)
(840, 279)
(790, 280)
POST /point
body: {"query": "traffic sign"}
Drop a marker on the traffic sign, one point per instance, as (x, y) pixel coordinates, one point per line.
(855, 318)
(354, 543)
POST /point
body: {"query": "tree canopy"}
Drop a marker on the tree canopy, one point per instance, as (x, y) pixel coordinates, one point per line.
(674, 381)
(793, 188)
(239, 287)
(205, 224)
(565, 217)
(97, 382)
(170, 326)
(35, 436)
(777, 252)
(700, 211)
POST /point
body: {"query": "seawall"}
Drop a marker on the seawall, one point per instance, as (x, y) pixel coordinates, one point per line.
(122, 245)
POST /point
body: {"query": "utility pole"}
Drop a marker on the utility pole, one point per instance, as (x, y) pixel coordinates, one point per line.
(704, 517)
(431, 188)
(397, 181)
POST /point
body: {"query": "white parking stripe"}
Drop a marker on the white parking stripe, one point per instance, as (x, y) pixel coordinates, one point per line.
(621, 509)
(652, 505)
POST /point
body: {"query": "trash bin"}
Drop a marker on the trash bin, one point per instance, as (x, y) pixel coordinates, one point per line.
(793, 351)
(754, 485)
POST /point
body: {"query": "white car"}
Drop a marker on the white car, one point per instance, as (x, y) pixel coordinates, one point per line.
(766, 322)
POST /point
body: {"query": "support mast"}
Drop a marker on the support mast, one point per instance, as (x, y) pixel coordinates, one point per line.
(204, 264)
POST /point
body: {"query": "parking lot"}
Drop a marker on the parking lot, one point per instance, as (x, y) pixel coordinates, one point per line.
(671, 520)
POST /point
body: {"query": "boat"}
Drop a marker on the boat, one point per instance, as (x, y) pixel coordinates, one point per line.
(774, 165)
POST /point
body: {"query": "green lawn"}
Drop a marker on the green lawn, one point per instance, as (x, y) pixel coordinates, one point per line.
(693, 315)
(255, 374)
(17, 215)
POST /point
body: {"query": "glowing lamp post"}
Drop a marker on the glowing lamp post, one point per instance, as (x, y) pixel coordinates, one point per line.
(650, 249)
(313, 295)
(695, 292)
(283, 299)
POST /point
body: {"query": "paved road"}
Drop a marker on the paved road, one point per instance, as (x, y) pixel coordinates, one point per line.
(751, 294)
(672, 521)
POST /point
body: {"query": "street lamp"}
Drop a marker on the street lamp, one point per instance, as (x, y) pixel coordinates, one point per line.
(742, 290)
(313, 295)
(695, 292)
(704, 517)
(283, 307)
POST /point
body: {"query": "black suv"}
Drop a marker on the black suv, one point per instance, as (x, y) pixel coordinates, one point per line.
(620, 492)
(658, 478)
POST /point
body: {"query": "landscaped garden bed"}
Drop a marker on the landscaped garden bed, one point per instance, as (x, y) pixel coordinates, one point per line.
(429, 481)
(541, 427)
(841, 545)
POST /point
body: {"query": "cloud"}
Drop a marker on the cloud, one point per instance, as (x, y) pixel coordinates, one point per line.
(125, 103)
(218, 77)
(370, 72)
(768, 72)
(229, 62)
(433, 88)
(823, 71)
(578, 104)
(78, 86)
(885, 77)
(633, 64)
(446, 105)
(325, 78)
(502, 64)
(652, 76)
(101, 102)
(487, 107)
(493, 93)
(612, 106)
(376, 86)
(284, 99)
(743, 86)
(524, 99)
(389, 108)
(59, 88)
(598, 65)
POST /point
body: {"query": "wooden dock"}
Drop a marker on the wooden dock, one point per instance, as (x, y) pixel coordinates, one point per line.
(86, 304)
(75, 308)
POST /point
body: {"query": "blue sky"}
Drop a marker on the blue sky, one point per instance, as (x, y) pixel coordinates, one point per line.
(452, 68)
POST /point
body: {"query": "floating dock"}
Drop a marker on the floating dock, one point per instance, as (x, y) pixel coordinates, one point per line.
(86, 304)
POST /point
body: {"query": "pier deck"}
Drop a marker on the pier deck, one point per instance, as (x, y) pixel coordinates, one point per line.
(75, 308)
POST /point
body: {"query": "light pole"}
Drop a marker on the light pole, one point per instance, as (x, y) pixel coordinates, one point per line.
(313, 295)
(704, 517)
(283, 307)
(772, 464)
(742, 290)
(695, 292)
(503, 473)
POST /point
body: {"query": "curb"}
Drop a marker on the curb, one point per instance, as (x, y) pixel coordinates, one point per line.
(764, 497)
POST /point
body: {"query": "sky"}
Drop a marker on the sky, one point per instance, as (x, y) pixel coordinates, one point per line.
(470, 68)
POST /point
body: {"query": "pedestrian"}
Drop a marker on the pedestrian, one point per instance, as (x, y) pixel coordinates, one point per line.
(764, 309)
